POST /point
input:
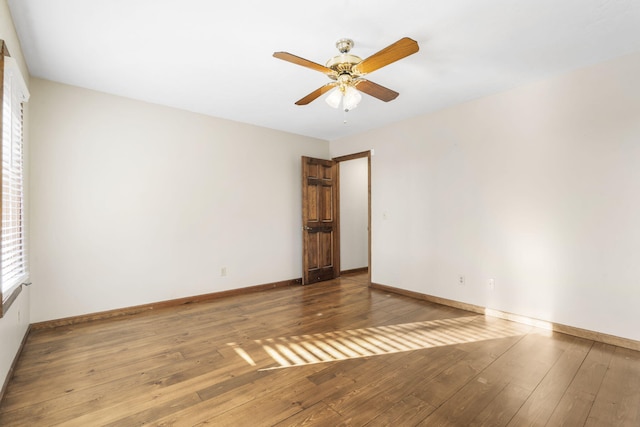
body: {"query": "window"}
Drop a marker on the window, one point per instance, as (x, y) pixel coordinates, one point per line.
(13, 260)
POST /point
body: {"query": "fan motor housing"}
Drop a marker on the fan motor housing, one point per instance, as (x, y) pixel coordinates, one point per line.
(343, 63)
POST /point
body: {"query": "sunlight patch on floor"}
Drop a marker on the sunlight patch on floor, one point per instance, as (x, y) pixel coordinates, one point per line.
(332, 346)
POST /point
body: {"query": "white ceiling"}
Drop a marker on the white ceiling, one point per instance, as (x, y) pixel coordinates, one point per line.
(214, 57)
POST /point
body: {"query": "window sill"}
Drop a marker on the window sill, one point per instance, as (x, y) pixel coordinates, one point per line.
(6, 303)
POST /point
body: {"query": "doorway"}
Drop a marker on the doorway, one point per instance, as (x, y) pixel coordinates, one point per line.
(354, 212)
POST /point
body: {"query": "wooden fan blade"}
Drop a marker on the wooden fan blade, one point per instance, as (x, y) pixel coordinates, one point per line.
(398, 50)
(316, 93)
(286, 56)
(375, 90)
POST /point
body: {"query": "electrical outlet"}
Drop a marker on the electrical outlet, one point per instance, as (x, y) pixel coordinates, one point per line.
(461, 280)
(492, 284)
(223, 271)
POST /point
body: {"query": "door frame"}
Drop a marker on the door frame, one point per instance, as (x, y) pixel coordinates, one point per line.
(345, 158)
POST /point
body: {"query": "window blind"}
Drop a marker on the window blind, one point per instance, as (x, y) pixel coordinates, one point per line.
(13, 261)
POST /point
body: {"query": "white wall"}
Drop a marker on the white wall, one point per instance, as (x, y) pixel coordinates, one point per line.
(537, 188)
(354, 214)
(134, 203)
(15, 322)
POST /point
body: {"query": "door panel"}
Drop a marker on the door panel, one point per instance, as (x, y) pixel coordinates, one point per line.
(321, 258)
(327, 198)
(313, 208)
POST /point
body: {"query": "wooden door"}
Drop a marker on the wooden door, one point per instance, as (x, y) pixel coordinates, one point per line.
(320, 244)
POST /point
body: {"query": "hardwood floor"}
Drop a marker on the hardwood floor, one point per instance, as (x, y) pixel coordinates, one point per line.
(328, 354)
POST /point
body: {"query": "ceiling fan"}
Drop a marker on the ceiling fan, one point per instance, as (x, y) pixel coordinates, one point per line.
(347, 71)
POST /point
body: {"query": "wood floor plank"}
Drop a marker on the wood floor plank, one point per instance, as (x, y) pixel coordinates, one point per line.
(461, 372)
(381, 359)
(151, 414)
(618, 399)
(408, 411)
(235, 406)
(501, 409)
(575, 405)
(319, 414)
(543, 401)
(522, 366)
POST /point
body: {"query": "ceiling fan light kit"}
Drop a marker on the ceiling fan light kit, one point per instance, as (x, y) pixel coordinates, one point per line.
(348, 95)
(347, 71)
(334, 98)
(345, 92)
